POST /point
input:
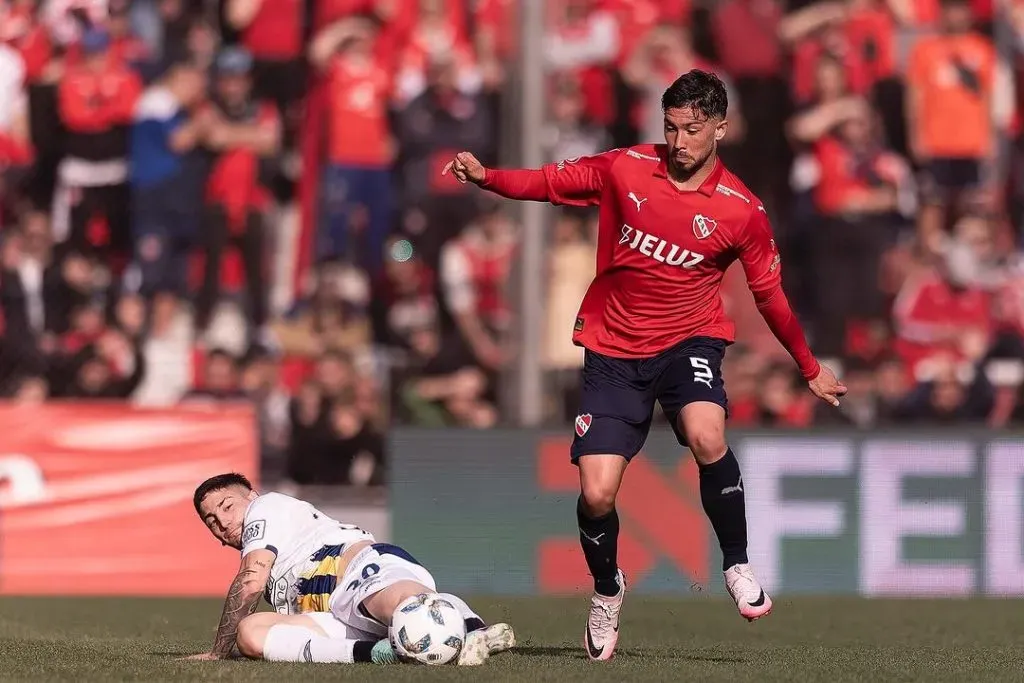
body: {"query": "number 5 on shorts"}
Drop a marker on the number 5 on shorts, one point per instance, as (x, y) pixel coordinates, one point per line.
(702, 370)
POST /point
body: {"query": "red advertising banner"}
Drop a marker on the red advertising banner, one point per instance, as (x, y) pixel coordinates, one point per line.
(97, 499)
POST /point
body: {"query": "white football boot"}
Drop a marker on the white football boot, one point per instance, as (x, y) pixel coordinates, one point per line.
(474, 649)
(499, 638)
(602, 632)
(751, 600)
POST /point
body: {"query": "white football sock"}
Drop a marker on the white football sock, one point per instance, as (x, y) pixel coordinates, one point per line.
(460, 605)
(288, 643)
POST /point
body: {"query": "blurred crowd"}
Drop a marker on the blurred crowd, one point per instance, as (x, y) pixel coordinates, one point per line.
(241, 200)
(884, 137)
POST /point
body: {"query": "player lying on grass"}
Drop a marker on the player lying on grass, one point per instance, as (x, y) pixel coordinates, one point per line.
(334, 588)
(672, 221)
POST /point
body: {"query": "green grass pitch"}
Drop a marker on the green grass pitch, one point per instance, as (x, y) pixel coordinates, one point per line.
(702, 639)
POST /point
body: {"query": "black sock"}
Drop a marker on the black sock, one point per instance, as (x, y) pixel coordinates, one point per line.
(721, 493)
(361, 650)
(474, 624)
(599, 539)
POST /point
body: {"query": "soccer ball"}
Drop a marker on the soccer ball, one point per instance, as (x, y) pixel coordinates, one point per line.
(427, 629)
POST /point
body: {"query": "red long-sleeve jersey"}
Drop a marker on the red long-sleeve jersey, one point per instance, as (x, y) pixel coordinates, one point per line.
(662, 252)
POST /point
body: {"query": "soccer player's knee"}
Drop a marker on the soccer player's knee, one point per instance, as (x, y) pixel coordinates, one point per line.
(598, 498)
(707, 443)
(251, 635)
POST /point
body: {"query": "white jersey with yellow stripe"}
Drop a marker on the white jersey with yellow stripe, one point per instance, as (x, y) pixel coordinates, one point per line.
(306, 543)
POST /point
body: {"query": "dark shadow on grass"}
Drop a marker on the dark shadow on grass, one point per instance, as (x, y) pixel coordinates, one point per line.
(575, 652)
(542, 651)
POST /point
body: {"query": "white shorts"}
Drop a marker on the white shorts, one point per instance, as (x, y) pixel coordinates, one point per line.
(372, 570)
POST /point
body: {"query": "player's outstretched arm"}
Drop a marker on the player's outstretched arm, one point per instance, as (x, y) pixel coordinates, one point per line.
(525, 184)
(574, 182)
(242, 599)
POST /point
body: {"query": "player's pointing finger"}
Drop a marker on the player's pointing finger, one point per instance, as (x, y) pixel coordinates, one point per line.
(447, 168)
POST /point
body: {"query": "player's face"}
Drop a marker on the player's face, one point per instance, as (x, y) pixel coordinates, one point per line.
(223, 512)
(691, 138)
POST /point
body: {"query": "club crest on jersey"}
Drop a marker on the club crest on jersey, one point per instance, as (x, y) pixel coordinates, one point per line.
(703, 226)
(583, 423)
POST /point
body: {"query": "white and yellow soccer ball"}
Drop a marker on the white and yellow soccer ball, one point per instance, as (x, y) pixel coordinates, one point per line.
(427, 629)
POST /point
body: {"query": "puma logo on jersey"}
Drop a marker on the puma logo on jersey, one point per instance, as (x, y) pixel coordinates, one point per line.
(636, 200)
(658, 249)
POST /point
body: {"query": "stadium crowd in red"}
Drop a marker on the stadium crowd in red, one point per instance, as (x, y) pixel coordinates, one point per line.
(242, 199)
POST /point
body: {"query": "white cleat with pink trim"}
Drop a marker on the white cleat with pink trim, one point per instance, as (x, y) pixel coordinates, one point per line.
(602, 632)
(751, 600)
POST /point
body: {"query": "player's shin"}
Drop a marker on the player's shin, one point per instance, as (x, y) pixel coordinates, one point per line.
(721, 493)
(288, 643)
(599, 538)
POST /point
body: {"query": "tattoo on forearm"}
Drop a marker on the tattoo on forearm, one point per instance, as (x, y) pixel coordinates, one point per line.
(240, 603)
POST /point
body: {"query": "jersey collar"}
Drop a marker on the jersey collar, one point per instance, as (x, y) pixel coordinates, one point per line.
(710, 184)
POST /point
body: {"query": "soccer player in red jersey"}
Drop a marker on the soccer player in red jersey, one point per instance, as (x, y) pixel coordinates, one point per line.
(672, 220)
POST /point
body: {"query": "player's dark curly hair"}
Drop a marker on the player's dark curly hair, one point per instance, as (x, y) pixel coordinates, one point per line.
(221, 481)
(702, 91)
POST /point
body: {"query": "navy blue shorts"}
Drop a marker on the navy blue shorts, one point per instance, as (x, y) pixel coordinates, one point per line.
(619, 393)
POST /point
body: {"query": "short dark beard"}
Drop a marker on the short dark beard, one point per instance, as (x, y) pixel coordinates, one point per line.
(681, 175)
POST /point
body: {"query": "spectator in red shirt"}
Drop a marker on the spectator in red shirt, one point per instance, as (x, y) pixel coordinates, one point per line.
(21, 28)
(857, 195)
(359, 142)
(746, 34)
(437, 31)
(244, 134)
(474, 277)
(97, 98)
(585, 37)
(942, 315)
(272, 32)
